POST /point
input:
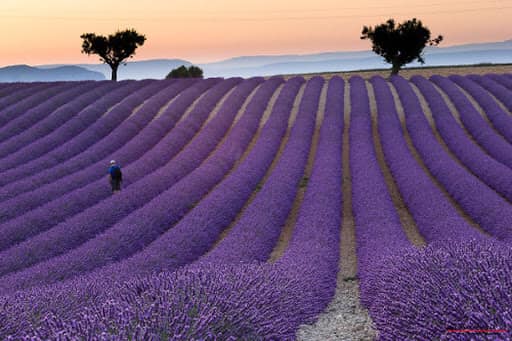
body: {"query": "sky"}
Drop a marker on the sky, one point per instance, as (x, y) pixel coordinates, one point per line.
(48, 32)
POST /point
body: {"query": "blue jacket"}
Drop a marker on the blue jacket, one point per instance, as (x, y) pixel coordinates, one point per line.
(112, 171)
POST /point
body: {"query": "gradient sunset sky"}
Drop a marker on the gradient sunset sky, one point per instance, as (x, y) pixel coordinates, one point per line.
(46, 32)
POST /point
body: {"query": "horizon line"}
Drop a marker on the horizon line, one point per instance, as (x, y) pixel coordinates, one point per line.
(244, 56)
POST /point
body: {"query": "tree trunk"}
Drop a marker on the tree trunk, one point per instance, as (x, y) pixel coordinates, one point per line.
(114, 72)
(395, 69)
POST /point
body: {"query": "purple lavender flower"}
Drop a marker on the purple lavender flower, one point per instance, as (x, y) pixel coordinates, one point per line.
(493, 143)
(447, 286)
(481, 203)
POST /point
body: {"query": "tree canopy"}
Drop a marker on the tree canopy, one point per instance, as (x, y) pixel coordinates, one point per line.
(400, 44)
(184, 72)
(114, 49)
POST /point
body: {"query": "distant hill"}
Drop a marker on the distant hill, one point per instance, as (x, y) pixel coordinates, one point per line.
(369, 62)
(25, 73)
(153, 69)
(249, 66)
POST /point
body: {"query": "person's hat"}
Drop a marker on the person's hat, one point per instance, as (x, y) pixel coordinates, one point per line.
(112, 162)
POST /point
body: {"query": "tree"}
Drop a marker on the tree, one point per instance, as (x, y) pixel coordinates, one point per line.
(184, 72)
(179, 72)
(195, 72)
(114, 49)
(402, 44)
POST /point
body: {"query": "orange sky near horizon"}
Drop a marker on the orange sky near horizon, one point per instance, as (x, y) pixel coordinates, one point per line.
(46, 32)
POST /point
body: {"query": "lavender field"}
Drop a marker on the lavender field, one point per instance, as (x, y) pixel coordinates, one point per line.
(246, 204)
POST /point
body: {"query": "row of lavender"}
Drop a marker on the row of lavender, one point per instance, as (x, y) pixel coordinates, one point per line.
(277, 297)
(306, 241)
(154, 172)
(86, 187)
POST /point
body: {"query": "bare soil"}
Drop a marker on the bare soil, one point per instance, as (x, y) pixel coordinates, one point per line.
(287, 230)
(425, 71)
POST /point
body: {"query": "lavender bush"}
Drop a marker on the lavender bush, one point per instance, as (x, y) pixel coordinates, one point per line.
(131, 234)
(481, 203)
(268, 293)
(49, 115)
(493, 173)
(498, 117)
(312, 253)
(201, 227)
(210, 302)
(112, 210)
(87, 125)
(9, 92)
(129, 266)
(378, 228)
(493, 143)
(502, 79)
(126, 131)
(259, 226)
(499, 91)
(18, 103)
(435, 216)
(452, 285)
(112, 146)
(73, 147)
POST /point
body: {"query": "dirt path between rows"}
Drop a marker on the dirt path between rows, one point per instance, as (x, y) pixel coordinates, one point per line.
(287, 229)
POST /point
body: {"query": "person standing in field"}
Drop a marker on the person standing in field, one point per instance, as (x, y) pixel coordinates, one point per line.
(116, 176)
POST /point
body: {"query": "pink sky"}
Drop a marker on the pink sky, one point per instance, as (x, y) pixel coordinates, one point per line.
(43, 32)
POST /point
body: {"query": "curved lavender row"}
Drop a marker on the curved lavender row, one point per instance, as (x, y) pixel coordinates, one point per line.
(7, 89)
(23, 98)
(484, 134)
(117, 137)
(53, 302)
(286, 100)
(87, 140)
(262, 302)
(126, 131)
(85, 225)
(481, 203)
(312, 255)
(83, 130)
(499, 118)
(21, 114)
(41, 171)
(130, 310)
(220, 206)
(26, 202)
(200, 228)
(495, 174)
(46, 183)
(95, 190)
(141, 226)
(435, 216)
(64, 106)
(499, 91)
(48, 116)
(256, 232)
(212, 302)
(505, 81)
(53, 213)
(474, 275)
(378, 228)
(196, 233)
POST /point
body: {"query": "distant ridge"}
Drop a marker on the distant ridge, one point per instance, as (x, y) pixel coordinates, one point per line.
(25, 73)
(267, 65)
(152, 69)
(246, 66)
